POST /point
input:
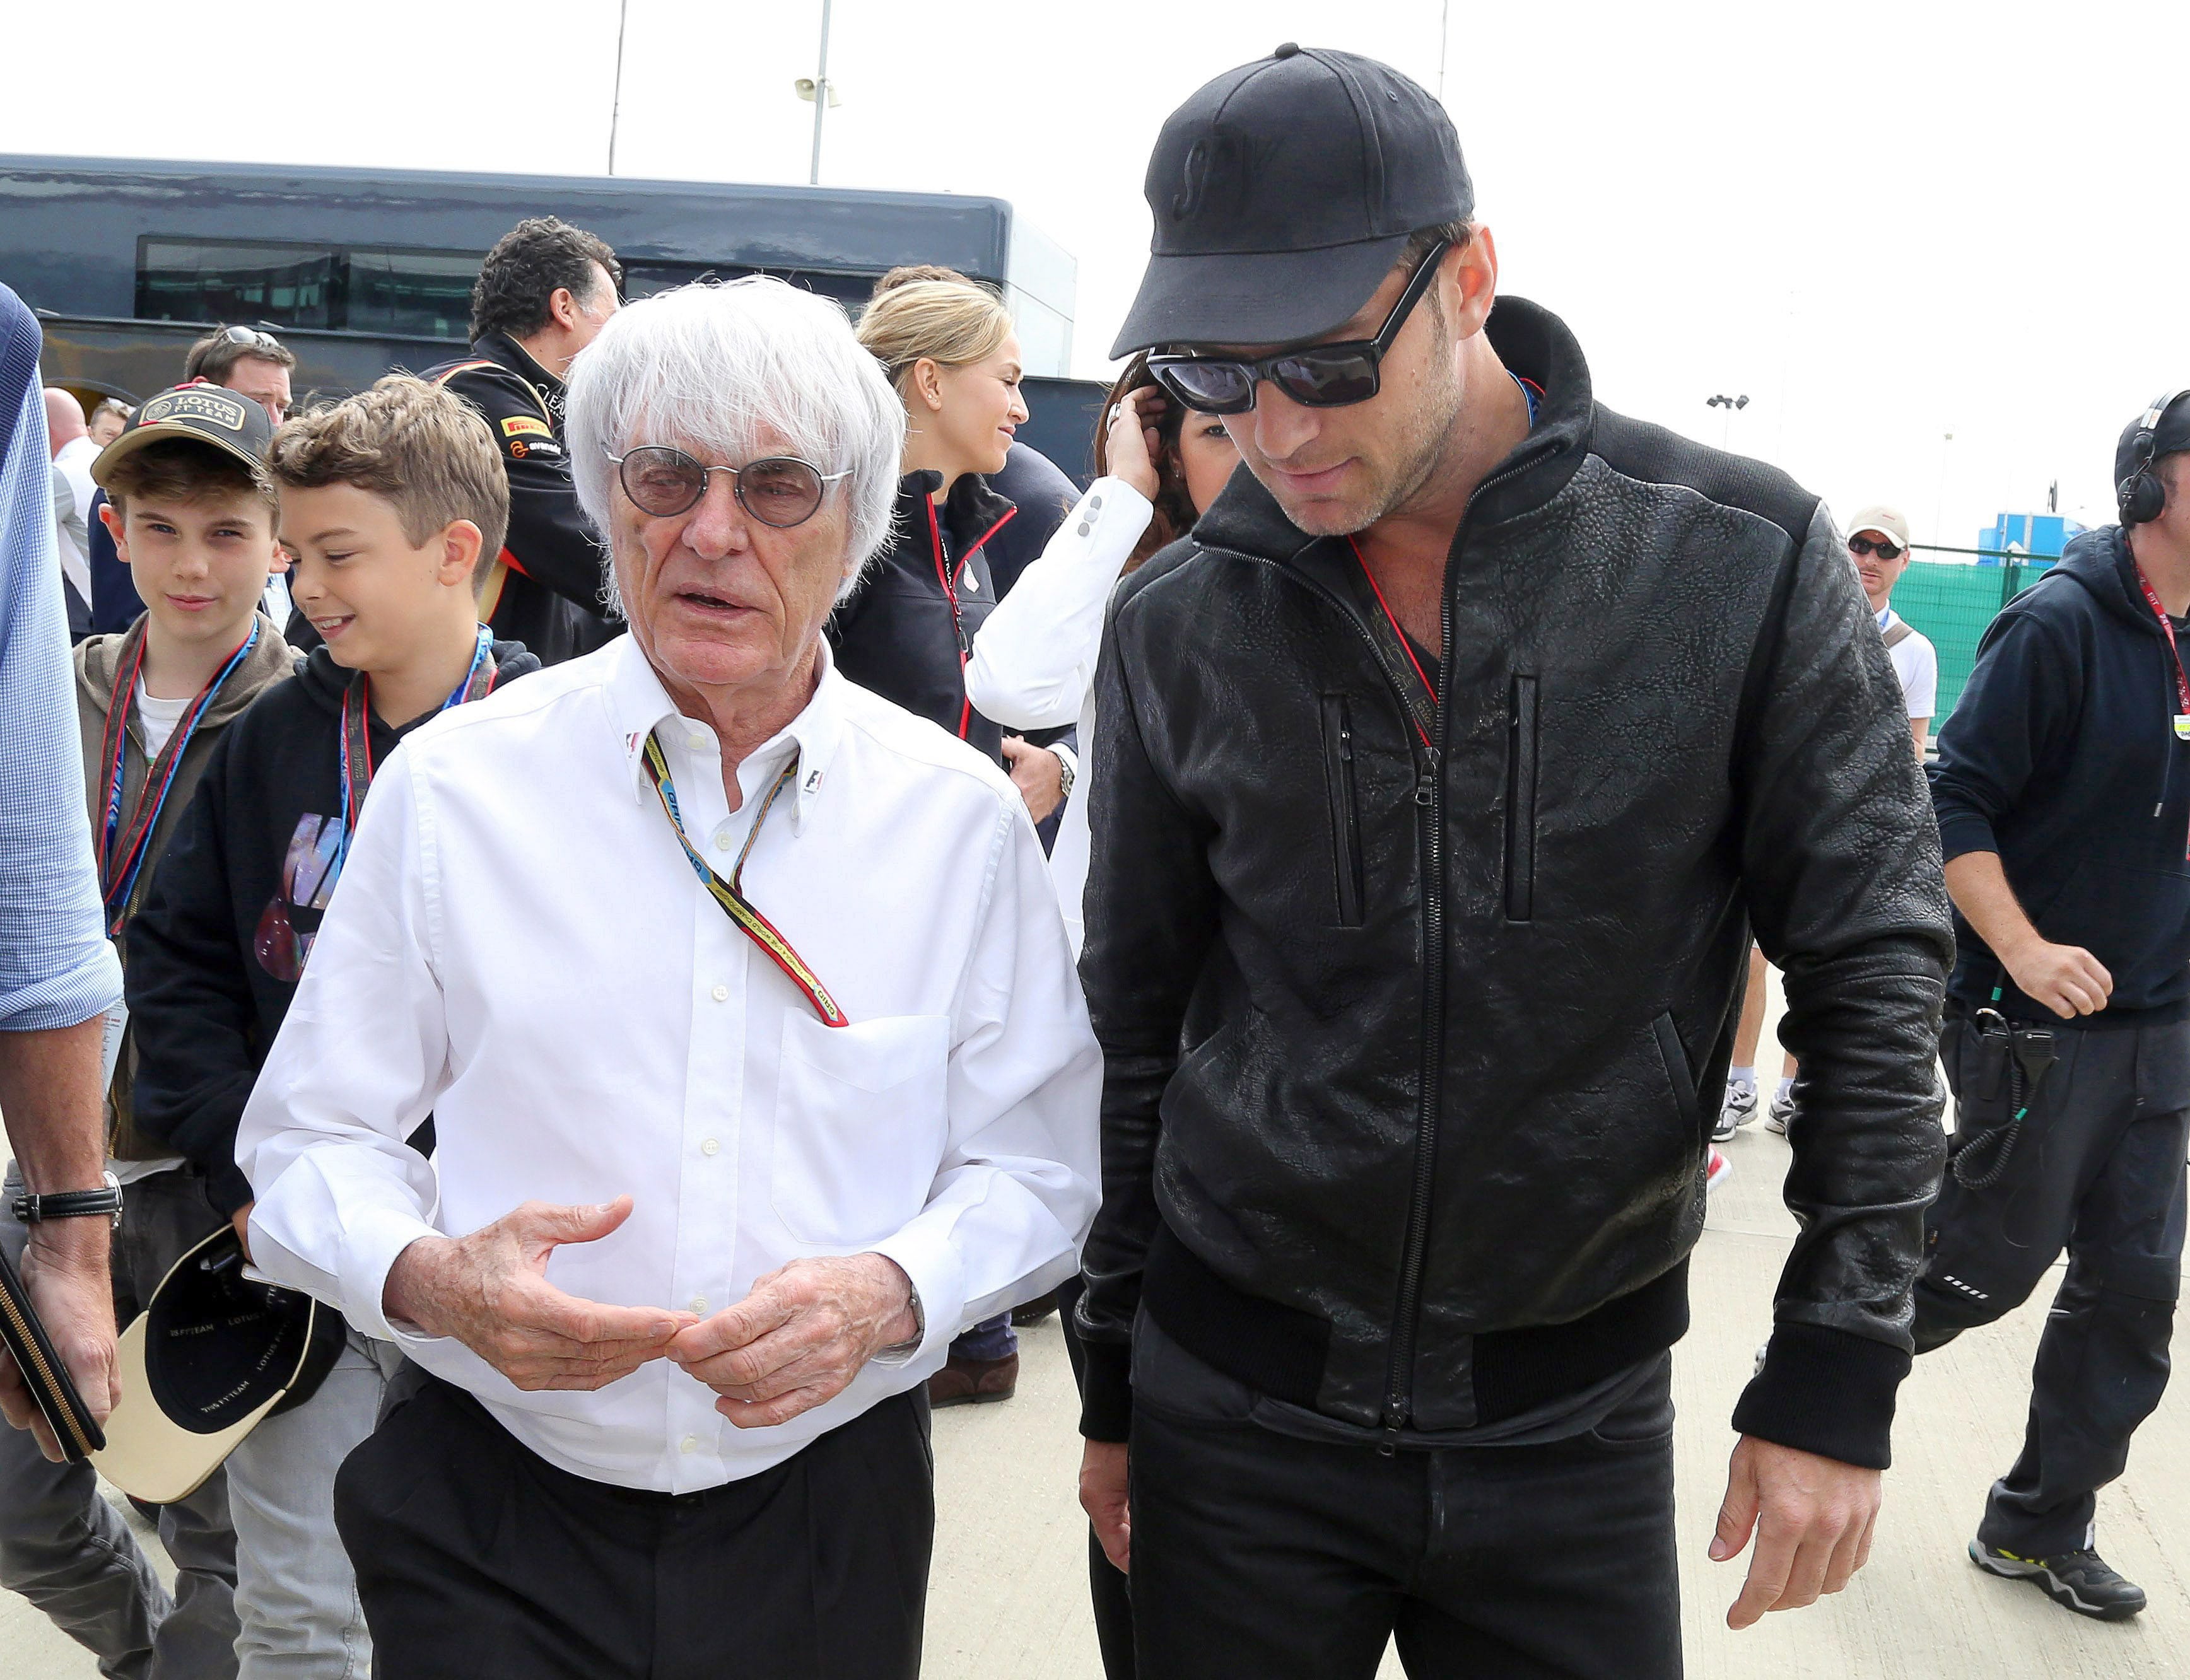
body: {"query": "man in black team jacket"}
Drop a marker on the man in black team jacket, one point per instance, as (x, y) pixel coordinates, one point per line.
(543, 293)
(2063, 795)
(1446, 768)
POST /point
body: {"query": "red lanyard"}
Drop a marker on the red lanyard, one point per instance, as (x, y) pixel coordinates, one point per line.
(2166, 628)
(1405, 646)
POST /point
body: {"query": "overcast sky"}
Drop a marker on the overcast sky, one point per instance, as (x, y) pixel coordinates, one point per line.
(1882, 223)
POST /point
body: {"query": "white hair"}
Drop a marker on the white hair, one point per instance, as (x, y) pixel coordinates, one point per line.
(711, 366)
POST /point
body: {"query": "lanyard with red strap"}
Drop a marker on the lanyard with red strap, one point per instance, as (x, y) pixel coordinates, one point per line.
(730, 894)
(356, 766)
(944, 570)
(1422, 705)
(2181, 680)
(123, 847)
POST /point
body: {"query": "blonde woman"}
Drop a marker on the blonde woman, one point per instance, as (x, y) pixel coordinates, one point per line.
(950, 348)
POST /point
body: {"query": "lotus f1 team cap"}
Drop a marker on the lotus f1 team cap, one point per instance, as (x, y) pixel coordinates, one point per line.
(1283, 192)
(200, 411)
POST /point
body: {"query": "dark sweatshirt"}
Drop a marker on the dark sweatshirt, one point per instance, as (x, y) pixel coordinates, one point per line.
(2062, 757)
(215, 953)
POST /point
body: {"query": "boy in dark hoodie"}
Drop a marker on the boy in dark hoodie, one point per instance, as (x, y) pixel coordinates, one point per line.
(387, 501)
(2064, 797)
(192, 517)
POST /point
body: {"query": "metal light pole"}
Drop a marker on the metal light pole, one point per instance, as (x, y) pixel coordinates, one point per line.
(820, 99)
(1940, 510)
(615, 100)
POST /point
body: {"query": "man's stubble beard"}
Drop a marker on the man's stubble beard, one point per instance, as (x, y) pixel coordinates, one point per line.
(1423, 441)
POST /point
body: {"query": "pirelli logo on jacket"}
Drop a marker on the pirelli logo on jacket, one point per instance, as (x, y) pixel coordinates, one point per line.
(524, 426)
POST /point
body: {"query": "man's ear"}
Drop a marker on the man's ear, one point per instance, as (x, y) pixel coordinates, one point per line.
(562, 306)
(111, 516)
(460, 542)
(1469, 284)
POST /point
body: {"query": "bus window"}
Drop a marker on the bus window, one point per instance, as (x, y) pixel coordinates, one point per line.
(201, 280)
(411, 294)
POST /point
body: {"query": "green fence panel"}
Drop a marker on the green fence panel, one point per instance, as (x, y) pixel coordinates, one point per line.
(1953, 605)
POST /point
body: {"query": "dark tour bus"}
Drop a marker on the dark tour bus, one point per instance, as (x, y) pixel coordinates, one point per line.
(359, 271)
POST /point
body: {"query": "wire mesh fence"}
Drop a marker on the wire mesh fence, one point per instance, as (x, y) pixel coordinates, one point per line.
(1953, 605)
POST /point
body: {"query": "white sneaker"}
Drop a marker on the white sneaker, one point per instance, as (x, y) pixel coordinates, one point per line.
(1782, 1115)
(1740, 1110)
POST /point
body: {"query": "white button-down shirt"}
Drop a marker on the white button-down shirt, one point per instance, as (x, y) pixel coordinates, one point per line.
(520, 947)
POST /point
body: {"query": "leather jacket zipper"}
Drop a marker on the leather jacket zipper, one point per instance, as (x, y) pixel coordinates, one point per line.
(1400, 1375)
(1344, 809)
(1521, 800)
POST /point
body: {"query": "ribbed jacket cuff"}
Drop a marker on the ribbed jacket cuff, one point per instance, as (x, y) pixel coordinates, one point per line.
(226, 1187)
(1106, 1391)
(1826, 1392)
(1963, 831)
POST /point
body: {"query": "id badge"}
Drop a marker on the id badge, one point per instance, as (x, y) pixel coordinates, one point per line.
(2182, 726)
(110, 1042)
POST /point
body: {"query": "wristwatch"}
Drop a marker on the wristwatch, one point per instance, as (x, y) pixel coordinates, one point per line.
(1068, 769)
(71, 1204)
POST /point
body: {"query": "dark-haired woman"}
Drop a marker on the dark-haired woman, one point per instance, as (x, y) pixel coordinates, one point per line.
(1033, 665)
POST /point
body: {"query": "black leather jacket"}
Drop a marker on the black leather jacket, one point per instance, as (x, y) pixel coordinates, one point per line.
(1413, 1050)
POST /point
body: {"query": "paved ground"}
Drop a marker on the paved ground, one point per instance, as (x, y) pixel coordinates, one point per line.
(1009, 1600)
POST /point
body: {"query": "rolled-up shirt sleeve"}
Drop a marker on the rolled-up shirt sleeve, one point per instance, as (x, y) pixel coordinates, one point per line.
(1016, 1191)
(57, 968)
(355, 1069)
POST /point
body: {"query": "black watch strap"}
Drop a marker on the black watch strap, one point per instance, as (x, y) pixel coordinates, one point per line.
(104, 1202)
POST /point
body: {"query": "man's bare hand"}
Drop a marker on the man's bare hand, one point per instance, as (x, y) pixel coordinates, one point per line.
(1103, 1468)
(1812, 1518)
(64, 1272)
(2067, 979)
(489, 1291)
(799, 1338)
(241, 1219)
(1038, 773)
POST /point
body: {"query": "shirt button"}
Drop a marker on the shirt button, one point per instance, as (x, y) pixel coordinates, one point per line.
(699, 1304)
(710, 1147)
(721, 995)
(695, 740)
(1094, 504)
(690, 1443)
(1083, 528)
(723, 838)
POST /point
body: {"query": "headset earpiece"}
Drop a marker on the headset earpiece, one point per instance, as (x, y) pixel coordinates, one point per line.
(2141, 498)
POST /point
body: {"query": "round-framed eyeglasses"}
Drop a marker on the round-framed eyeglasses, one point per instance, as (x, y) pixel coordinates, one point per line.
(777, 489)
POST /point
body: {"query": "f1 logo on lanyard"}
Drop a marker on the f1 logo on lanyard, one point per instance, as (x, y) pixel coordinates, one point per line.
(2182, 681)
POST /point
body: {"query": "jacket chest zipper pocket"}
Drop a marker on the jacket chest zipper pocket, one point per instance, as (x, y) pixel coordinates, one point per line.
(1521, 802)
(1345, 807)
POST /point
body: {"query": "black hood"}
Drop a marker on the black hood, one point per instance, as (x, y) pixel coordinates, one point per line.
(2101, 562)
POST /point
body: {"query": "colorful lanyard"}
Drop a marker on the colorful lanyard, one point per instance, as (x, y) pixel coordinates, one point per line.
(357, 729)
(123, 848)
(758, 928)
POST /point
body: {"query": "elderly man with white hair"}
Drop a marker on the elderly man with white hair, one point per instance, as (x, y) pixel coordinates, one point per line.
(742, 1007)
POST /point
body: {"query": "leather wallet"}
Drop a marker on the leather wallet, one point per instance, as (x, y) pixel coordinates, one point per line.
(27, 1344)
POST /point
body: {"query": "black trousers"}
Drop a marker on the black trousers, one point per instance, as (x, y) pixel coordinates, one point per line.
(2099, 1170)
(1257, 1554)
(477, 1559)
(1108, 1593)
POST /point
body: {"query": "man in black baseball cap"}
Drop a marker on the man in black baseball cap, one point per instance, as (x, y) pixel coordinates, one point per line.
(2063, 804)
(1448, 766)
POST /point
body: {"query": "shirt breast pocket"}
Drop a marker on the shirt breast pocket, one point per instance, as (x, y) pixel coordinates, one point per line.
(859, 1126)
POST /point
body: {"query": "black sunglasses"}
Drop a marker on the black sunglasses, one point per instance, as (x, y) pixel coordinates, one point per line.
(778, 489)
(1884, 551)
(1317, 377)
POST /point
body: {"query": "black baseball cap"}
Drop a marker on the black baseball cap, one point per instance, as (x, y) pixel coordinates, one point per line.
(2170, 434)
(214, 1353)
(200, 411)
(1283, 192)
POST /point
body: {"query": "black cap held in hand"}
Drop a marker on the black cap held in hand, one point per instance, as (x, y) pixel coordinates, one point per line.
(1283, 192)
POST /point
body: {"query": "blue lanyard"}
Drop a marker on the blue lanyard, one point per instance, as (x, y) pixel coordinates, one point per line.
(121, 865)
(356, 753)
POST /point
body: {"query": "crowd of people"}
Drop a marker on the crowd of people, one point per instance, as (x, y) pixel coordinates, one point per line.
(591, 925)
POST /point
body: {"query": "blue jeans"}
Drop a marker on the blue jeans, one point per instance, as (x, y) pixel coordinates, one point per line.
(991, 1338)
